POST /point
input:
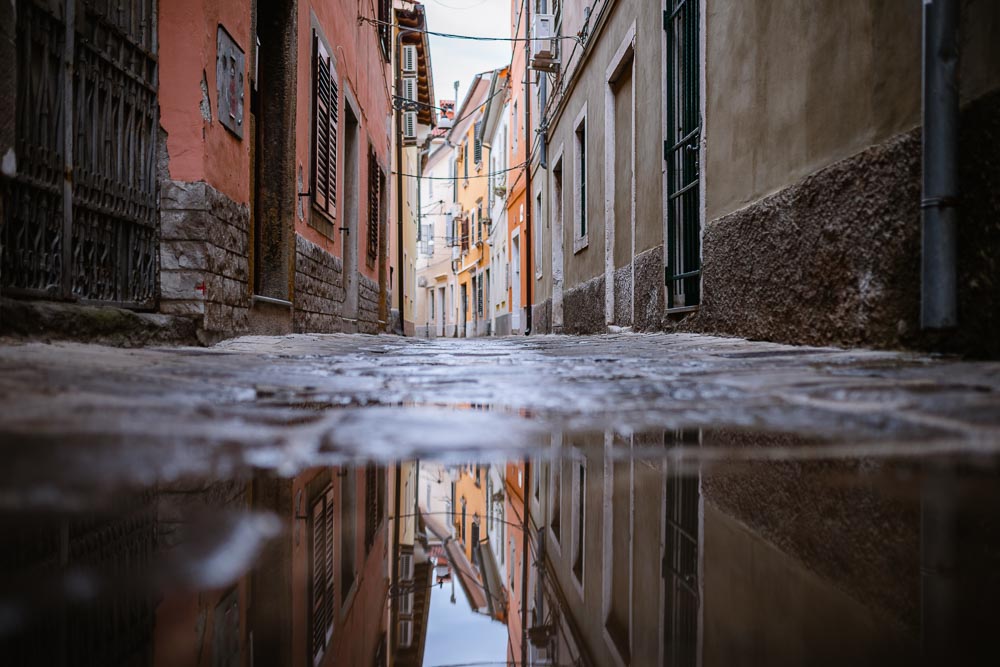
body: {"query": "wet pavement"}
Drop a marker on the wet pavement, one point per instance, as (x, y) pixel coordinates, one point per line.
(686, 500)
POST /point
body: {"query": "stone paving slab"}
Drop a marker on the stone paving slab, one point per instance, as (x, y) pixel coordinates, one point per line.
(94, 414)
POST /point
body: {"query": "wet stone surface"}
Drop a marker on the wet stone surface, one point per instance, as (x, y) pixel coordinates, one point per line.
(683, 496)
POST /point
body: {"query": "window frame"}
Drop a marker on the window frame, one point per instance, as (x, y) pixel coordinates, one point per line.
(581, 230)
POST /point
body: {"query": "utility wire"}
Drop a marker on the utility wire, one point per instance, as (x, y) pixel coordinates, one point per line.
(461, 178)
(474, 38)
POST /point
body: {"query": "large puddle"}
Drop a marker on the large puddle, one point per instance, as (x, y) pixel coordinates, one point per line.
(580, 546)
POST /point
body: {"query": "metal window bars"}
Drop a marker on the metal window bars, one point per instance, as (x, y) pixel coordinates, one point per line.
(82, 221)
(681, 151)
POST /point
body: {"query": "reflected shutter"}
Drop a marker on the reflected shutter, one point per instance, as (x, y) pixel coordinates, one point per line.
(318, 589)
(328, 564)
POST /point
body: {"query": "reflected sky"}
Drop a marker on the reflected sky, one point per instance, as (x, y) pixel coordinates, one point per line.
(456, 634)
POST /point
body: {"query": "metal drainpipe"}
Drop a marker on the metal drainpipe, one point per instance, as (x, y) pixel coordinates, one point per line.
(939, 203)
(528, 198)
(400, 269)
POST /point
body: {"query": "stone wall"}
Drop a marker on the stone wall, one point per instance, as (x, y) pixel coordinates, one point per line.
(835, 258)
(204, 250)
(319, 289)
(649, 290)
(367, 305)
(541, 317)
(501, 325)
(583, 308)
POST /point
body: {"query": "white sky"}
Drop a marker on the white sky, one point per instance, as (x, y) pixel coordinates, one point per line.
(460, 60)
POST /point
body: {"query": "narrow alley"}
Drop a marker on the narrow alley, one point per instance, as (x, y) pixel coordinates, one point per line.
(447, 333)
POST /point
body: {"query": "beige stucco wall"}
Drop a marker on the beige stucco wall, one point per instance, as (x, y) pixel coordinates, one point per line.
(792, 87)
(590, 89)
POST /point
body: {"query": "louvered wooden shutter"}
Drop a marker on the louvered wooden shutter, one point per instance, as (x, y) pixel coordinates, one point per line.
(478, 143)
(325, 101)
(328, 564)
(319, 579)
(374, 187)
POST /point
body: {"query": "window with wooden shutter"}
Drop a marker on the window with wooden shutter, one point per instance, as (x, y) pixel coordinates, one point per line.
(324, 130)
(477, 150)
(465, 235)
(375, 184)
(384, 26)
(321, 573)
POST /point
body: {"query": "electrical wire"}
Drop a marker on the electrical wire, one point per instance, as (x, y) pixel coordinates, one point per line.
(463, 178)
(473, 38)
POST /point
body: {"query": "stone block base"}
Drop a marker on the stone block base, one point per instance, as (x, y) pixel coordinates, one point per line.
(583, 308)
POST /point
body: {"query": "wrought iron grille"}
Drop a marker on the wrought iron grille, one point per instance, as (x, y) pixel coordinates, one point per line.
(83, 222)
(115, 550)
(681, 153)
(680, 560)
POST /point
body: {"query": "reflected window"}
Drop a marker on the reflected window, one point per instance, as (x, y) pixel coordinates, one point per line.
(348, 522)
(579, 512)
(321, 541)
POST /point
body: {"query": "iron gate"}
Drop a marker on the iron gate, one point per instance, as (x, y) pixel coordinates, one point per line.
(681, 153)
(82, 219)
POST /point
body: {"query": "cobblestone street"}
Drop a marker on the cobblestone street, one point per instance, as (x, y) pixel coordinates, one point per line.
(293, 401)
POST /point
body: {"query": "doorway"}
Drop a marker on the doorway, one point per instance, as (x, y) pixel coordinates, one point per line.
(443, 312)
(465, 311)
(272, 107)
(349, 223)
(515, 283)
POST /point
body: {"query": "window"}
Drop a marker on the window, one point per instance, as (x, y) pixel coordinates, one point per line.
(406, 603)
(681, 556)
(579, 513)
(324, 130)
(619, 554)
(348, 526)
(477, 150)
(580, 154)
(405, 633)
(479, 308)
(514, 127)
(681, 152)
(384, 26)
(374, 502)
(321, 537)
(465, 234)
(454, 181)
(536, 236)
(376, 183)
(554, 512)
(465, 160)
(406, 567)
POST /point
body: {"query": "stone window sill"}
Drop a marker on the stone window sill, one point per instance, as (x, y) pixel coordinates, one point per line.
(580, 243)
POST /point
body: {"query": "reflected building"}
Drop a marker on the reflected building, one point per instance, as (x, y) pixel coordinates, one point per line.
(640, 553)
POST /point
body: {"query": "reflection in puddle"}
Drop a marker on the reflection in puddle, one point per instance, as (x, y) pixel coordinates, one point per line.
(603, 548)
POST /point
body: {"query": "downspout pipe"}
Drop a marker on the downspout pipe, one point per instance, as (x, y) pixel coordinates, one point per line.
(528, 199)
(939, 201)
(400, 269)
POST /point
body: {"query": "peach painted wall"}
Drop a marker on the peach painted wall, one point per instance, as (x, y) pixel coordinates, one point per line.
(358, 62)
(198, 149)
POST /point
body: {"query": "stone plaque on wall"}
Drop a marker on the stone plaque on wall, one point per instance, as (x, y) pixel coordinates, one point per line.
(229, 76)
